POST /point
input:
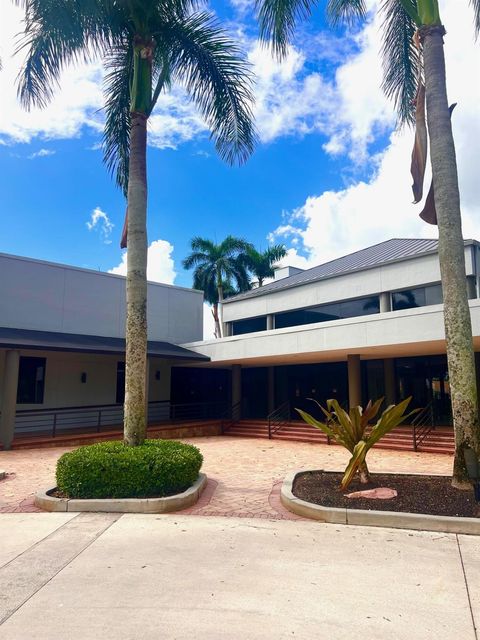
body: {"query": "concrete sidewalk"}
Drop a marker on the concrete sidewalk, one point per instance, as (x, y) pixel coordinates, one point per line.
(135, 577)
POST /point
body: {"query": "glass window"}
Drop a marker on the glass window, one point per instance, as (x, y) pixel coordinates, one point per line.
(250, 325)
(433, 294)
(420, 297)
(31, 380)
(326, 312)
(408, 299)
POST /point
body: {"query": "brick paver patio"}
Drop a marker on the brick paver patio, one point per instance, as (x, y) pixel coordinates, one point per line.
(244, 474)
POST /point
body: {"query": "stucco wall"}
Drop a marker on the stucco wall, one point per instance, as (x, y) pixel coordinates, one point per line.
(63, 386)
(391, 277)
(44, 296)
(408, 331)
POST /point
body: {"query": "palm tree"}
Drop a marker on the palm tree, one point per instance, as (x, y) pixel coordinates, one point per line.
(217, 267)
(412, 55)
(146, 45)
(262, 264)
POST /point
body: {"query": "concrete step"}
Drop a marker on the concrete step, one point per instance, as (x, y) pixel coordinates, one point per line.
(400, 439)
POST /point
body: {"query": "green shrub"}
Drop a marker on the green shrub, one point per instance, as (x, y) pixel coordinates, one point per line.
(114, 470)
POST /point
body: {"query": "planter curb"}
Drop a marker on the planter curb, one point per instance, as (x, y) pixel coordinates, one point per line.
(2, 474)
(124, 505)
(390, 519)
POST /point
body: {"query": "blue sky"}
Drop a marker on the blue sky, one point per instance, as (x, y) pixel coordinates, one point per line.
(328, 176)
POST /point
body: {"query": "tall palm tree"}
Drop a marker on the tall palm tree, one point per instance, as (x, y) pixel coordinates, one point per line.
(146, 45)
(217, 268)
(412, 54)
(262, 264)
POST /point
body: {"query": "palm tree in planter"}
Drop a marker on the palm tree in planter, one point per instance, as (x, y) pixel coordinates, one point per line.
(146, 45)
(414, 71)
(262, 264)
(217, 267)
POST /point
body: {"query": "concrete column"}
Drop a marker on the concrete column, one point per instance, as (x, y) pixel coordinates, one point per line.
(271, 389)
(389, 378)
(9, 397)
(270, 322)
(385, 302)
(354, 381)
(236, 384)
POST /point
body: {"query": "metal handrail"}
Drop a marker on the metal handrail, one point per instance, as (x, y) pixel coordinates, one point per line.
(277, 418)
(49, 422)
(422, 424)
(231, 416)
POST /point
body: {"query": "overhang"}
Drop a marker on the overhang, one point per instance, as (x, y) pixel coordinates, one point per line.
(11, 338)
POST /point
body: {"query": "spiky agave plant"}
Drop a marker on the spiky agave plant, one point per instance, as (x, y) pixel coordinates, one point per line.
(352, 430)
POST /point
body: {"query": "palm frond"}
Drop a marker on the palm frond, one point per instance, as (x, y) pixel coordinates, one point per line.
(345, 11)
(476, 11)
(217, 79)
(400, 59)
(56, 34)
(116, 134)
(278, 20)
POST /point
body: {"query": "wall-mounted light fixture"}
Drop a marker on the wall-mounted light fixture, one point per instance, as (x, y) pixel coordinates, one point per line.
(83, 377)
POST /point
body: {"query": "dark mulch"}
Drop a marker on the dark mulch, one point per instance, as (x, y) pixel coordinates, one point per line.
(433, 495)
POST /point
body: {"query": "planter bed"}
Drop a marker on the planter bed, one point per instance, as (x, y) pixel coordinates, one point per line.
(423, 502)
(51, 500)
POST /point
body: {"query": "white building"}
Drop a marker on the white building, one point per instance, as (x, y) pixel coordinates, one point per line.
(366, 325)
(62, 343)
(363, 326)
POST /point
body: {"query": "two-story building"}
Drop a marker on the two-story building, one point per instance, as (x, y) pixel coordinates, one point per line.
(366, 325)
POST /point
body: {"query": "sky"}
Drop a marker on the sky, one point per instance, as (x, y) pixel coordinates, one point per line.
(330, 174)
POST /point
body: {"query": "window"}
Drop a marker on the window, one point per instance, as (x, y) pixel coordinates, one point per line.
(326, 312)
(419, 297)
(249, 325)
(31, 380)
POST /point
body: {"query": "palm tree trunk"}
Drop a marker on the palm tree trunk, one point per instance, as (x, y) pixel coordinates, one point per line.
(218, 333)
(458, 328)
(220, 307)
(136, 334)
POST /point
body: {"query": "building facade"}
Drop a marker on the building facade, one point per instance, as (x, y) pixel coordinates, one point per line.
(62, 340)
(366, 325)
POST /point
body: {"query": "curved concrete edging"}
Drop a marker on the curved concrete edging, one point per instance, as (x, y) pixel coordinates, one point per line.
(125, 505)
(392, 519)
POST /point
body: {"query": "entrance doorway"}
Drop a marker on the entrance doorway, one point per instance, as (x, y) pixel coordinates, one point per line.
(426, 380)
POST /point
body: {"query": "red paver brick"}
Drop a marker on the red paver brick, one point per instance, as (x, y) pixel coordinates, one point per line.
(244, 474)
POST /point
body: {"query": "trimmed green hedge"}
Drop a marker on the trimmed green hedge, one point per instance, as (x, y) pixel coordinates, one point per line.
(114, 470)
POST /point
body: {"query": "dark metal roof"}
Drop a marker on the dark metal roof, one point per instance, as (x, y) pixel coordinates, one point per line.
(382, 253)
(52, 341)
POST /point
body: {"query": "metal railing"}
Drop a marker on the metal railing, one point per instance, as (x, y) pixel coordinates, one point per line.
(422, 424)
(97, 418)
(231, 416)
(279, 417)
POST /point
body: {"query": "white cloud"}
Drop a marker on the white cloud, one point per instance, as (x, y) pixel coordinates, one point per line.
(43, 153)
(160, 265)
(334, 223)
(72, 108)
(99, 221)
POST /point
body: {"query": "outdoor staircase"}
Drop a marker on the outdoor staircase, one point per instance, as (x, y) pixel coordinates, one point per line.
(439, 440)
